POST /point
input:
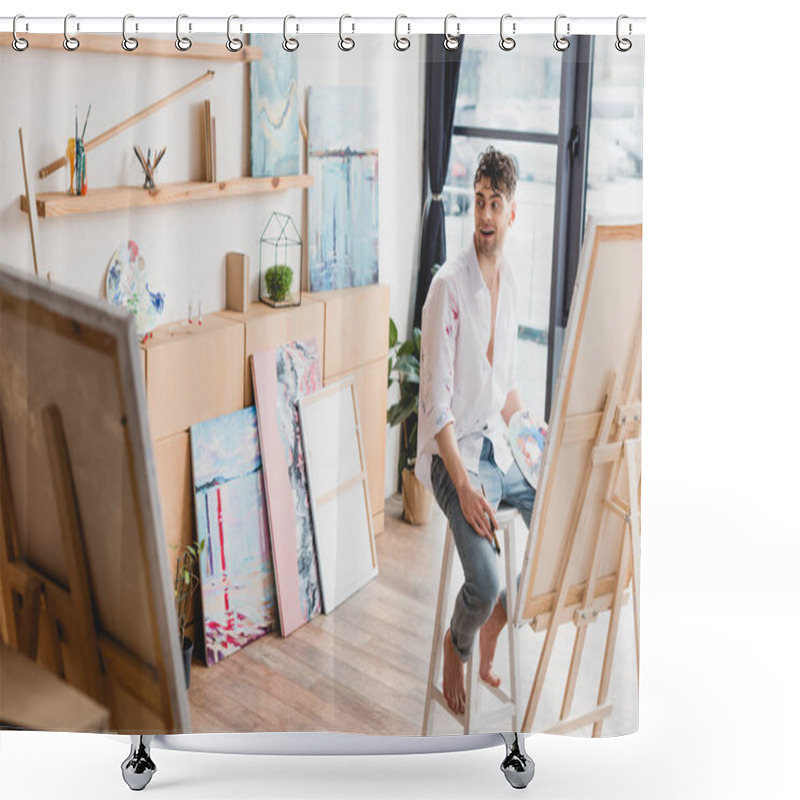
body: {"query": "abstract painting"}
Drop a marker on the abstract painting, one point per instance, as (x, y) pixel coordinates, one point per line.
(236, 574)
(527, 437)
(343, 203)
(274, 110)
(280, 378)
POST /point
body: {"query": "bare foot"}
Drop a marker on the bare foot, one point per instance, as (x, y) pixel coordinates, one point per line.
(488, 643)
(453, 677)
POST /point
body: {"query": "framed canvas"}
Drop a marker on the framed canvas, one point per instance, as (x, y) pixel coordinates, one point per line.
(337, 481)
(238, 587)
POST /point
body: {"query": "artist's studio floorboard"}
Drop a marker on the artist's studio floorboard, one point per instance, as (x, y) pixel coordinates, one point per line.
(364, 667)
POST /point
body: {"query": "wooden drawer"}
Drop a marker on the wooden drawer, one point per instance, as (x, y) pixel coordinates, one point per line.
(192, 377)
(267, 327)
(356, 327)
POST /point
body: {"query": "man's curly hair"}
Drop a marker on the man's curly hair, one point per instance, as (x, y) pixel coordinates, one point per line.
(500, 169)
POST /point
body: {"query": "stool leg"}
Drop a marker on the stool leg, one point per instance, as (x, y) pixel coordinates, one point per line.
(471, 710)
(511, 602)
(438, 629)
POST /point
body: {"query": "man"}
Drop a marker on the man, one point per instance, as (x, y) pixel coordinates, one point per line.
(468, 394)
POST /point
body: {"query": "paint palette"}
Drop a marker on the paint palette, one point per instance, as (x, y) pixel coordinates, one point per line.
(128, 286)
(527, 438)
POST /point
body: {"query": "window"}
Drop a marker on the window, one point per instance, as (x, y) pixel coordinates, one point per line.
(545, 109)
(515, 109)
(614, 178)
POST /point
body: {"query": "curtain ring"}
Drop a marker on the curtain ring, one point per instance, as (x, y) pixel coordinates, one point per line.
(623, 45)
(183, 43)
(345, 42)
(451, 42)
(128, 42)
(70, 42)
(290, 44)
(561, 43)
(19, 44)
(507, 42)
(233, 45)
(401, 43)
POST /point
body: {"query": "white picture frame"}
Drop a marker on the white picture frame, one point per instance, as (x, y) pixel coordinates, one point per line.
(338, 490)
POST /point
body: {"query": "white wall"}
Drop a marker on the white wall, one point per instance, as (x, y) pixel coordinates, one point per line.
(184, 245)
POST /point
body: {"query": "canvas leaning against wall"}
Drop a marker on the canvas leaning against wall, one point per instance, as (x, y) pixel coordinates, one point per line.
(272, 434)
(237, 582)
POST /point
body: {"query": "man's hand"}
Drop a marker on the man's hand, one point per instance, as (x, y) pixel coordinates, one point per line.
(477, 511)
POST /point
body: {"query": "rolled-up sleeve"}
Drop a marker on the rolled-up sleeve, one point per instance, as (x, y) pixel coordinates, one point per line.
(440, 318)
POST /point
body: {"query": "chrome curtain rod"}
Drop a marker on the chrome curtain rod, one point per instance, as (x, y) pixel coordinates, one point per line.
(455, 25)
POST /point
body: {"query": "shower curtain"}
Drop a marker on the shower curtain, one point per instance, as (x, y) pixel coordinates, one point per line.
(259, 214)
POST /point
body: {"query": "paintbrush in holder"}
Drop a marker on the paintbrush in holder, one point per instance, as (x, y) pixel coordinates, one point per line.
(148, 165)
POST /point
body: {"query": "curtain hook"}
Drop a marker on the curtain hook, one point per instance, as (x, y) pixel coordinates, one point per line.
(233, 45)
(183, 43)
(401, 42)
(451, 42)
(623, 45)
(346, 42)
(507, 42)
(128, 42)
(19, 44)
(290, 44)
(70, 42)
(561, 43)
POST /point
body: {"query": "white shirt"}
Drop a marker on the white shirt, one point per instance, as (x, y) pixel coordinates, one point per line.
(457, 382)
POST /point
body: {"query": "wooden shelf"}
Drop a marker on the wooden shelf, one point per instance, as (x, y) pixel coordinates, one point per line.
(112, 45)
(115, 198)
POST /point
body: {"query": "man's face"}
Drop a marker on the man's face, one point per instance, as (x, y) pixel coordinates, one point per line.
(494, 215)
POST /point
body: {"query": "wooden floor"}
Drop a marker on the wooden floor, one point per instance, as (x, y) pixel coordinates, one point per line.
(364, 668)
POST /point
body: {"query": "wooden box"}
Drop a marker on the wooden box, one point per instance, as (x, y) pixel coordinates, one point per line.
(267, 327)
(356, 327)
(194, 376)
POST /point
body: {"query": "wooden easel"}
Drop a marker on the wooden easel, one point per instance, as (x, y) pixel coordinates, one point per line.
(626, 416)
(82, 566)
(584, 543)
(34, 601)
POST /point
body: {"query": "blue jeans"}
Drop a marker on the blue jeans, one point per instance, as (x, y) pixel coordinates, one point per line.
(480, 563)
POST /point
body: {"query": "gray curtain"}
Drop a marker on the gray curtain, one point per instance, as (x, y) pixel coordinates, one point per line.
(441, 87)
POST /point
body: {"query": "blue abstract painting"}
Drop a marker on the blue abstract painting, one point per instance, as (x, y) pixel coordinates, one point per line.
(274, 109)
(236, 572)
(343, 203)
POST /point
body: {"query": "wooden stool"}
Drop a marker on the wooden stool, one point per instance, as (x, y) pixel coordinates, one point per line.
(506, 518)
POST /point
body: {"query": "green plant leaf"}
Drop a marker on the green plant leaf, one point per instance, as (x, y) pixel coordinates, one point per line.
(392, 333)
(400, 412)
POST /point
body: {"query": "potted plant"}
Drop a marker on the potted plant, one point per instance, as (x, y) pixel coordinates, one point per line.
(404, 371)
(186, 581)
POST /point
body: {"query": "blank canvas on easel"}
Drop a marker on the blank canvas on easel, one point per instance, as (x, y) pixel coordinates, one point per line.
(337, 480)
(578, 560)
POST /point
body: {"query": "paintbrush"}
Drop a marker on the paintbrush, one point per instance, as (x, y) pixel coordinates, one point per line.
(491, 525)
(89, 111)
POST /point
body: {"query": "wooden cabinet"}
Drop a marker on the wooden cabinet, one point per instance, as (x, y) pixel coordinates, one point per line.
(266, 327)
(193, 376)
(357, 343)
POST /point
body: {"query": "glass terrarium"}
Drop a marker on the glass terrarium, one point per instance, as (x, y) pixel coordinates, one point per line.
(280, 262)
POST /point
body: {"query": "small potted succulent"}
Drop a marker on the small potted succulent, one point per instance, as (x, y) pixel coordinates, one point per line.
(278, 279)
